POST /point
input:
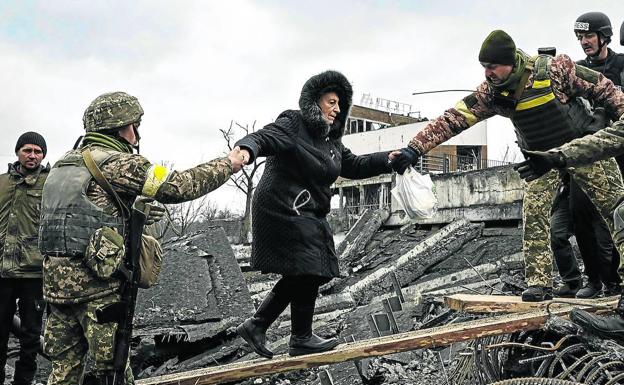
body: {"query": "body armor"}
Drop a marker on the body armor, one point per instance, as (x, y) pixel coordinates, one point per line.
(68, 217)
(542, 122)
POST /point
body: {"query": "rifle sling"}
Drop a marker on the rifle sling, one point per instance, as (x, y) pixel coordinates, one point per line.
(101, 180)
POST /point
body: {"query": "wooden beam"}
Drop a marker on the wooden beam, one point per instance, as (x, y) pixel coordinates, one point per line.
(438, 336)
(474, 303)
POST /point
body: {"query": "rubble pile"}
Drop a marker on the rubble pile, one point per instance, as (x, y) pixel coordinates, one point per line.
(393, 281)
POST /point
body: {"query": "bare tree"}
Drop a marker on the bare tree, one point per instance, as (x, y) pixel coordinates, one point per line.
(246, 180)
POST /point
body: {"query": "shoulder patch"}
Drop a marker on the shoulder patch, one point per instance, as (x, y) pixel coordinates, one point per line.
(587, 74)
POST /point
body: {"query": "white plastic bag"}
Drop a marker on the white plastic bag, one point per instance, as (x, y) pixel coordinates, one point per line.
(414, 192)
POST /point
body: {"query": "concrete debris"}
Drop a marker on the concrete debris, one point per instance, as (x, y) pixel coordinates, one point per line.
(359, 235)
(393, 281)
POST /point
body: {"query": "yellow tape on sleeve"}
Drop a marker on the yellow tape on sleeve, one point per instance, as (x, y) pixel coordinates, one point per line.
(156, 176)
(464, 110)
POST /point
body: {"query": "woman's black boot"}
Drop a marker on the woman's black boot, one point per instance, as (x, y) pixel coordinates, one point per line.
(302, 340)
(253, 330)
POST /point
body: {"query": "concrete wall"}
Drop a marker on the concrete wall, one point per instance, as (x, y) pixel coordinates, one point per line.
(490, 194)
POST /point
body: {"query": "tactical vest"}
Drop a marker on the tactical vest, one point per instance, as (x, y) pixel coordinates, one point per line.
(68, 217)
(612, 67)
(541, 121)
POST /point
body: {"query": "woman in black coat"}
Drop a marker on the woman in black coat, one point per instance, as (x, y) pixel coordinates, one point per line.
(291, 235)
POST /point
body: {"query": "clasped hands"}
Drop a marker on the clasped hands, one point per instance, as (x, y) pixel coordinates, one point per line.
(239, 158)
(401, 159)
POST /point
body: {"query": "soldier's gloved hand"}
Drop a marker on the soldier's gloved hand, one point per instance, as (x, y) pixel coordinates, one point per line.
(538, 163)
(154, 212)
(599, 121)
(620, 305)
(407, 157)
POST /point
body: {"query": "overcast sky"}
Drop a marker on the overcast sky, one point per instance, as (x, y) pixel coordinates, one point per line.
(197, 65)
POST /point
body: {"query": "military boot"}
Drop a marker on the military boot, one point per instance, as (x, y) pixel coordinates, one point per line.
(302, 340)
(537, 294)
(611, 327)
(568, 289)
(253, 330)
(612, 288)
(591, 290)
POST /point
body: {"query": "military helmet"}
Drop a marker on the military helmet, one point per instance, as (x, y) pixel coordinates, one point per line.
(111, 110)
(594, 22)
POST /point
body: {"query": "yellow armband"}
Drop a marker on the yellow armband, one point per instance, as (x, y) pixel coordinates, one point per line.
(156, 176)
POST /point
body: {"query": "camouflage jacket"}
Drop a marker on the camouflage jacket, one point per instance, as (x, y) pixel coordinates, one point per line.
(603, 144)
(568, 80)
(68, 280)
(20, 202)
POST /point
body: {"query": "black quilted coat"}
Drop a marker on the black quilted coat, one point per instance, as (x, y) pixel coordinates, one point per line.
(305, 156)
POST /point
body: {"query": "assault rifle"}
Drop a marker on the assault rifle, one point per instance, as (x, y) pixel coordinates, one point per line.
(122, 312)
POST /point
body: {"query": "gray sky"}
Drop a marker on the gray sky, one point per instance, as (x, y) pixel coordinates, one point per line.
(197, 65)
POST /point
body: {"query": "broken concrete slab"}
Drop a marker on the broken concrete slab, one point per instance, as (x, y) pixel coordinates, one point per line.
(230, 290)
(344, 373)
(406, 258)
(411, 266)
(200, 282)
(181, 294)
(413, 292)
(359, 235)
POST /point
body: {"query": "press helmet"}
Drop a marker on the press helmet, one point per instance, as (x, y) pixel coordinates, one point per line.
(594, 22)
(111, 110)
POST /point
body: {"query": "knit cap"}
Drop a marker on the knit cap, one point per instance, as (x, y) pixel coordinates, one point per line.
(31, 137)
(498, 48)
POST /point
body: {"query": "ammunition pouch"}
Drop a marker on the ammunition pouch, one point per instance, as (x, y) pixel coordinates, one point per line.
(105, 253)
(150, 261)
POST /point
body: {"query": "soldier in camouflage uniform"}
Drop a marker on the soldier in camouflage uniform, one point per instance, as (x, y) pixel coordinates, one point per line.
(597, 147)
(80, 219)
(539, 95)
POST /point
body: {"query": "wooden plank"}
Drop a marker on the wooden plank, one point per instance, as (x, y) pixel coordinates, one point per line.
(438, 336)
(474, 303)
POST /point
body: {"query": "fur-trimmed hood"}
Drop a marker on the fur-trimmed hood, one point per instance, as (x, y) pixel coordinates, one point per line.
(311, 112)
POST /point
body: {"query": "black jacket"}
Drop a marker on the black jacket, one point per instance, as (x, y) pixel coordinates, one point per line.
(304, 158)
(612, 67)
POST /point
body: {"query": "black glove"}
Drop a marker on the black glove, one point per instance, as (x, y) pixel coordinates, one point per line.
(408, 157)
(154, 212)
(599, 121)
(538, 163)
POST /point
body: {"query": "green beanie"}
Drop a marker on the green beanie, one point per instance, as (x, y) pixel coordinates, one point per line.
(498, 48)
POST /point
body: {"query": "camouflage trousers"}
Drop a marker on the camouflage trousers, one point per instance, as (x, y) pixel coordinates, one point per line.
(72, 333)
(601, 181)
